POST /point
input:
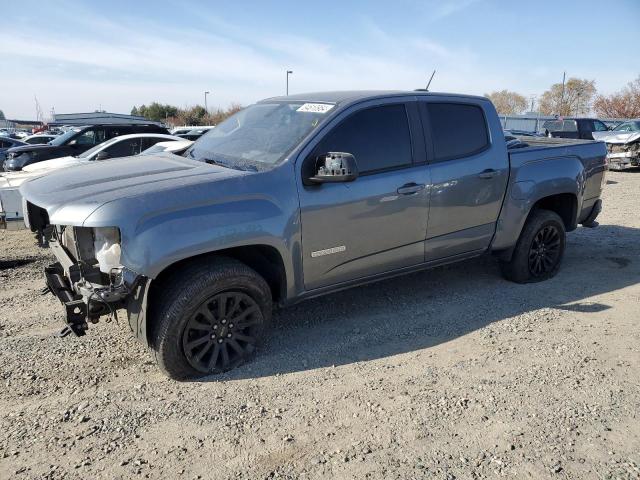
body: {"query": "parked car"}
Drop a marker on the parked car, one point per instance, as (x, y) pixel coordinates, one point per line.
(73, 142)
(581, 128)
(39, 139)
(196, 133)
(300, 196)
(5, 144)
(522, 133)
(21, 134)
(11, 208)
(182, 130)
(623, 144)
(177, 147)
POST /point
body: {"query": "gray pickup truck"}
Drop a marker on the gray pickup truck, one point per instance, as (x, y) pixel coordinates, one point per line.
(300, 196)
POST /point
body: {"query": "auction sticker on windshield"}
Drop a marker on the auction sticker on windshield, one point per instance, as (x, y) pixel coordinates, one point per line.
(315, 108)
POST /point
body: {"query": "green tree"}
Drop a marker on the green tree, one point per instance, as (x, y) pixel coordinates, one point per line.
(155, 111)
(2, 117)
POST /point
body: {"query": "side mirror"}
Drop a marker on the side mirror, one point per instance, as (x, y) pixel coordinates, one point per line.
(102, 155)
(334, 167)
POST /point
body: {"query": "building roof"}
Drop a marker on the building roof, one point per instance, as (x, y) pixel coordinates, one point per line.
(93, 118)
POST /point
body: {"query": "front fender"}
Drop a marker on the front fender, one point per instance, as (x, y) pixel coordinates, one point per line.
(159, 229)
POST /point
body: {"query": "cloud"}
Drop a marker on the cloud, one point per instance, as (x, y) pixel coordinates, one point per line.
(118, 65)
(82, 61)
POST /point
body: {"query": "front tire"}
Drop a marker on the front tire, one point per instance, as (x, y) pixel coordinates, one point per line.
(539, 250)
(209, 318)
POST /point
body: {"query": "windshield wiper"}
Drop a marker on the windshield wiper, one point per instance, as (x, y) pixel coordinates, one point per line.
(211, 161)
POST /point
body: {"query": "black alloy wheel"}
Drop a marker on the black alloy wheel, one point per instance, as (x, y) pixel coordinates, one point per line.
(222, 333)
(544, 252)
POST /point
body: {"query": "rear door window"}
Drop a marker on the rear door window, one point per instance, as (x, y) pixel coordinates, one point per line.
(378, 137)
(456, 130)
(569, 126)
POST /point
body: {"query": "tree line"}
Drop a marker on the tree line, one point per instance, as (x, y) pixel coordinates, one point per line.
(577, 97)
(195, 115)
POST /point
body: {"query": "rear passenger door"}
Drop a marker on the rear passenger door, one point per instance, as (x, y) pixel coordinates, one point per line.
(378, 222)
(469, 173)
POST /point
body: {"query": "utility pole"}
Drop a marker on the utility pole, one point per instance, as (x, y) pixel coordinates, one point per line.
(289, 72)
(564, 75)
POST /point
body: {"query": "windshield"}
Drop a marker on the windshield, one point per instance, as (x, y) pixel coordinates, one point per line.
(62, 139)
(628, 127)
(259, 136)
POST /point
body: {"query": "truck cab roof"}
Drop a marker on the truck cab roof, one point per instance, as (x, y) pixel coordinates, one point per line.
(354, 96)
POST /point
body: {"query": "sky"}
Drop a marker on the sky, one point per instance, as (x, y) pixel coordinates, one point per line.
(77, 56)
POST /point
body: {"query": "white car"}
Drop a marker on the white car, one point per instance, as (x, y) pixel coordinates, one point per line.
(623, 145)
(183, 129)
(177, 148)
(38, 139)
(122, 146)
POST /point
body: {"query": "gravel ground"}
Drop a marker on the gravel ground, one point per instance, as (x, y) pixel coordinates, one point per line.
(451, 373)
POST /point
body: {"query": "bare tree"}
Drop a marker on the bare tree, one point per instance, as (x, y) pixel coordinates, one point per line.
(622, 104)
(507, 102)
(574, 99)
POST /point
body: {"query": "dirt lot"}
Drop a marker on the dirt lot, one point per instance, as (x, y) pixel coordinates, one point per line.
(452, 373)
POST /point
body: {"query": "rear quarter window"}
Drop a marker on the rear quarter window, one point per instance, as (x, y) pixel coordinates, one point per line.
(457, 130)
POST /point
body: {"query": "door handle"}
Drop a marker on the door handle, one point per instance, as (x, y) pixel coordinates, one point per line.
(410, 188)
(488, 173)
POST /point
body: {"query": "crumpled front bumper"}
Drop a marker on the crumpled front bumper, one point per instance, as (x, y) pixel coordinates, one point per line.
(620, 160)
(76, 308)
(85, 302)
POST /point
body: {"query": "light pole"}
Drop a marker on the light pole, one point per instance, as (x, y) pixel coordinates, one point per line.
(206, 109)
(289, 72)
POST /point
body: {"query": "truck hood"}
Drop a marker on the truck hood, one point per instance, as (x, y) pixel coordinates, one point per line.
(70, 195)
(616, 137)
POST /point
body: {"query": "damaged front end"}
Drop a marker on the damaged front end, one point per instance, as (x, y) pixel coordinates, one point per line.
(88, 278)
(623, 155)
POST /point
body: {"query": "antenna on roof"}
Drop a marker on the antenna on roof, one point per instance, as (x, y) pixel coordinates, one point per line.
(428, 84)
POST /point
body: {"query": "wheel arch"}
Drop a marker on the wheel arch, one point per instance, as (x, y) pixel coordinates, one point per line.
(266, 260)
(564, 204)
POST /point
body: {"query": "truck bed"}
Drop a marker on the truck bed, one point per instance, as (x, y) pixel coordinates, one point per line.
(592, 154)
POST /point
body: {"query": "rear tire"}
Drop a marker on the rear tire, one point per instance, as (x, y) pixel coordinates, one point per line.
(209, 318)
(539, 250)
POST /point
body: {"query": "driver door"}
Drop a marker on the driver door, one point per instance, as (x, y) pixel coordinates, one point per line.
(378, 222)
